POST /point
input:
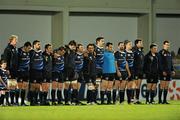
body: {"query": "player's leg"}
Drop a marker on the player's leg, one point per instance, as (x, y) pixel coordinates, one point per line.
(148, 90)
(53, 91)
(20, 87)
(161, 89)
(7, 97)
(12, 94)
(98, 83)
(153, 92)
(104, 85)
(59, 92)
(55, 79)
(166, 86)
(45, 94)
(25, 79)
(32, 93)
(137, 90)
(115, 89)
(122, 88)
(66, 92)
(23, 92)
(110, 87)
(38, 88)
(129, 91)
(2, 96)
(74, 84)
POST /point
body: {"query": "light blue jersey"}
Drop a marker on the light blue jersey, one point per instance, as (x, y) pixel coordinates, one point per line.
(109, 62)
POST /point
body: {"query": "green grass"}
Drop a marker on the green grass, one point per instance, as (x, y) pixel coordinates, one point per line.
(93, 112)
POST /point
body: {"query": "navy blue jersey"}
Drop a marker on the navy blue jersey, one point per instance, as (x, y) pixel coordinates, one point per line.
(23, 60)
(130, 58)
(36, 60)
(79, 60)
(99, 57)
(58, 64)
(120, 57)
(165, 61)
(4, 76)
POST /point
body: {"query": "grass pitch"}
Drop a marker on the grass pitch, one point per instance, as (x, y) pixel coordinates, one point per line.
(93, 112)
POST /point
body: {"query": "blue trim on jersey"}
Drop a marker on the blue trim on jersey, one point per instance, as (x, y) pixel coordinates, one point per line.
(58, 64)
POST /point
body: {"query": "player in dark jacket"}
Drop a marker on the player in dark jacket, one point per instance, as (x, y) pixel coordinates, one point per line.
(166, 71)
(138, 67)
(69, 68)
(47, 73)
(89, 69)
(151, 70)
(10, 55)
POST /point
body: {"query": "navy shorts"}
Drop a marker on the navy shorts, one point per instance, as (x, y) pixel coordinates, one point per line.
(23, 76)
(124, 76)
(138, 75)
(58, 77)
(152, 78)
(90, 79)
(69, 74)
(99, 73)
(132, 74)
(108, 76)
(80, 76)
(36, 76)
(47, 77)
(165, 78)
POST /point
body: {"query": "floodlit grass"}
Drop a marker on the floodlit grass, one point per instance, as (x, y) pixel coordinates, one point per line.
(93, 112)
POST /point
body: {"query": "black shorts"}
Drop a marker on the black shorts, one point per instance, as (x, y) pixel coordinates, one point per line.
(108, 76)
(124, 76)
(47, 77)
(138, 75)
(80, 76)
(58, 77)
(90, 79)
(23, 76)
(152, 78)
(132, 74)
(36, 76)
(69, 74)
(99, 73)
(165, 78)
(13, 73)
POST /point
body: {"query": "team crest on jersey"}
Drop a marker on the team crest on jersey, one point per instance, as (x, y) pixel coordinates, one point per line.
(37, 54)
(24, 53)
(165, 54)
